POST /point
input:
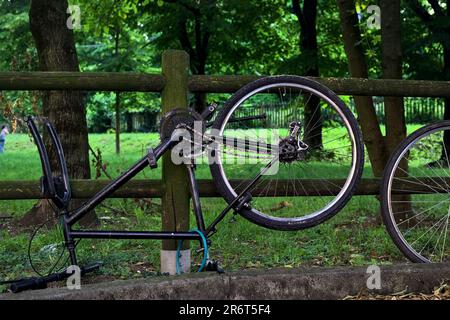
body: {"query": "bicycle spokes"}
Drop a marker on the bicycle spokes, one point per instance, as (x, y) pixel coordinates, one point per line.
(417, 196)
(315, 141)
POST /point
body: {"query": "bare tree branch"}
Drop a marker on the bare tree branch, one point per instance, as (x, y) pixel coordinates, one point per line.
(183, 37)
(298, 12)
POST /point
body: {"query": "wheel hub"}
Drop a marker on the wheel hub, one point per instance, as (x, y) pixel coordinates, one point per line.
(288, 151)
(292, 148)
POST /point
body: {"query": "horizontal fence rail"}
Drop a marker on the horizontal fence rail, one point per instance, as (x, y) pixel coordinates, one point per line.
(341, 86)
(85, 81)
(140, 188)
(139, 82)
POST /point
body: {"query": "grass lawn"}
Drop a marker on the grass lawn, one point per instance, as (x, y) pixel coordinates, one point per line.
(354, 237)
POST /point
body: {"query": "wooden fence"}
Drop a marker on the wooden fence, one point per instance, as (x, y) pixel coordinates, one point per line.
(175, 83)
(175, 64)
(417, 111)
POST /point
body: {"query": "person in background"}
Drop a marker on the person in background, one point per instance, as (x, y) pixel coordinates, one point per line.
(3, 134)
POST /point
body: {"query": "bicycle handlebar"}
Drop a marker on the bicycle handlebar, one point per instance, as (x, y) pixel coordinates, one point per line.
(41, 283)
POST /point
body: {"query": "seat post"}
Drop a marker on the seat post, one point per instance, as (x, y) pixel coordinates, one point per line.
(195, 197)
(69, 241)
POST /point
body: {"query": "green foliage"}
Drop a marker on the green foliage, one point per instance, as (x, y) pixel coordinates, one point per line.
(99, 112)
(423, 57)
(17, 53)
(240, 41)
(244, 37)
(17, 49)
(111, 41)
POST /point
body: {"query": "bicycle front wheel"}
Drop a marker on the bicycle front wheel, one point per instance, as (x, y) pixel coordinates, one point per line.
(307, 136)
(415, 194)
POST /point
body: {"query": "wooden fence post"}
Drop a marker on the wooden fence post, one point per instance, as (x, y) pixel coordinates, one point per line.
(175, 200)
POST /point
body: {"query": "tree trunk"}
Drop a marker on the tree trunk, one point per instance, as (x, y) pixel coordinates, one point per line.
(446, 46)
(129, 122)
(446, 142)
(199, 103)
(392, 69)
(367, 117)
(55, 45)
(198, 54)
(307, 17)
(308, 45)
(394, 106)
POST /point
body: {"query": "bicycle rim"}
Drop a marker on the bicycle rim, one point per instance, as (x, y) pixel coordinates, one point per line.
(416, 195)
(311, 191)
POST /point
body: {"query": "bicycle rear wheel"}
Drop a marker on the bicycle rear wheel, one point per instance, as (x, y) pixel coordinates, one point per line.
(415, 194)
(318, 159)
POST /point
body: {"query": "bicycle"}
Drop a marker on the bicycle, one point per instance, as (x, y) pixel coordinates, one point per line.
(415, 193)
(318, 134)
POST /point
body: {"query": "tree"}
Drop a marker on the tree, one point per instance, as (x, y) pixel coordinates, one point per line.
(307, 19)
(358, 68)
(379, 148)
(392, 68)
(221, 36)
(391, 46)
(438, 24)
(193, 21)
(112, 21)
(55, 45)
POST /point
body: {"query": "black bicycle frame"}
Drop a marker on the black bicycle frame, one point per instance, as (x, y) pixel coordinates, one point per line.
(72, 217)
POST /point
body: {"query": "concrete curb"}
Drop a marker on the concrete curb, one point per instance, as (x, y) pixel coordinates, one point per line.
(301, 283)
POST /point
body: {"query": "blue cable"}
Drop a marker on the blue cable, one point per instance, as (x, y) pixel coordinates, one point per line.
(205, 252)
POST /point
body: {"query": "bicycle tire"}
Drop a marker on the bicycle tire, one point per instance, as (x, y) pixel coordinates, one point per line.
(290, 224)
(388, 219)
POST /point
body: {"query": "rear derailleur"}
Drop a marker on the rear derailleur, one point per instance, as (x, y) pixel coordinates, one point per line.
(292, 148)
